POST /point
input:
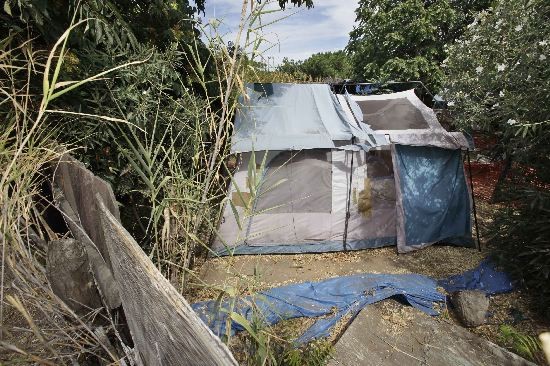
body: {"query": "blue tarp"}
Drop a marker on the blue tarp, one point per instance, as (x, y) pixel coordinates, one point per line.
(434, 196)
(336, 296)
(484, 277)
(339, 296)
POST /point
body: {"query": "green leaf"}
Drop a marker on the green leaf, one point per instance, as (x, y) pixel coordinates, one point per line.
(236, 214)
(7, 8)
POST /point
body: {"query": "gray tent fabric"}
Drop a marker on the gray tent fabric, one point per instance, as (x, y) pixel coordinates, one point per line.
(406, 120)
(295, 171)
(342, 172)
(433, 197)
(369, 138)
(291, 117)
(307, 212)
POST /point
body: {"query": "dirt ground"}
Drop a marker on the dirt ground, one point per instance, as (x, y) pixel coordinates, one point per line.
(248, 274)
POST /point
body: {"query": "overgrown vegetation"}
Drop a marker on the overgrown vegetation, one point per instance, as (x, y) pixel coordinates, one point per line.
(498, 82)
(322, 66)
(27, 146)
(404, 40)
(524, 345)
(148, 106)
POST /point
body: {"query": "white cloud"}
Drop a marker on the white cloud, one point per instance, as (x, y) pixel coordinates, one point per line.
(325, 27)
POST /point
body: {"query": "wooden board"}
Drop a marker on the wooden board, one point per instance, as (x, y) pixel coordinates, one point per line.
(165, 329)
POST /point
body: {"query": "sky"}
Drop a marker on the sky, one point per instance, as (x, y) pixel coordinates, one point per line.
(323, 28)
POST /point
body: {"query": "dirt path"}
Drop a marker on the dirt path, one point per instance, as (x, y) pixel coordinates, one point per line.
(247, 274)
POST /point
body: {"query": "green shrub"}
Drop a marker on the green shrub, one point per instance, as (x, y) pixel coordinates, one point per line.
(520, 238)
(526, 346)
(498, 82)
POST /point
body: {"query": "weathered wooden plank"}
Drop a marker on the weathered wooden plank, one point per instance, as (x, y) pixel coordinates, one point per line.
(165, 330)
(79, 186)
(103, 275)
(74, 189)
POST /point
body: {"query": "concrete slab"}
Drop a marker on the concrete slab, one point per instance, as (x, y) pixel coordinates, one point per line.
(389, 333)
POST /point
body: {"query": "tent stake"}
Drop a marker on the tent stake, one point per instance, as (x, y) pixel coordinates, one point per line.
(473, 199)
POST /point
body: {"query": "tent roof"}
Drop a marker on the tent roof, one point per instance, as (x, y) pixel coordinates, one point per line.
(405, 119)
(292, 117)
(276, 116)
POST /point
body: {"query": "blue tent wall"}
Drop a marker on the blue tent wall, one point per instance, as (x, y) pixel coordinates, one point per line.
(433, 197)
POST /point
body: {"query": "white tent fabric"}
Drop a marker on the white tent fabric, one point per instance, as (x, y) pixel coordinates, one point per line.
(428, 133)
(289, 218)
(291, 117)
(371, 138)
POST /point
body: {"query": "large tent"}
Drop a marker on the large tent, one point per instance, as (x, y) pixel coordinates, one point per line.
(342, 172)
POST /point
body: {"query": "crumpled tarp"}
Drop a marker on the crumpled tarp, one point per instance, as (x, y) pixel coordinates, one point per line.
(484, 277)
(337, 297)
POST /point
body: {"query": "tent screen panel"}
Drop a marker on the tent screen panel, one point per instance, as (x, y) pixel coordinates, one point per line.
(381, 179)
(307, 185)
(393, 114)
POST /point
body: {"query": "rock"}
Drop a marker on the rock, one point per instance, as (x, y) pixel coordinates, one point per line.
(414, 338)
(68, 271)
(471, 307)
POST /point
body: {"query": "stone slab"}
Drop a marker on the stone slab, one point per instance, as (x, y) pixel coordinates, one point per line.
(389, 333)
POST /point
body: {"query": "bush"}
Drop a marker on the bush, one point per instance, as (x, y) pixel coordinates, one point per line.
(498, 82)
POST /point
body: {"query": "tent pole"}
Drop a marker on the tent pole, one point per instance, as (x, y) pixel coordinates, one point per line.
(473, 198)
(348, 203)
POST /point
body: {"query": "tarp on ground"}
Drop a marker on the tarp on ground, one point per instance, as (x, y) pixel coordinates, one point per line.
(433, 200)
(275, 116)
(338, 296)
(484, 277)
(345, 295)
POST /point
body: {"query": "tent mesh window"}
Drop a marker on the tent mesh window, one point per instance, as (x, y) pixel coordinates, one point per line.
(381, 178)
(393, 114)
(306, 183)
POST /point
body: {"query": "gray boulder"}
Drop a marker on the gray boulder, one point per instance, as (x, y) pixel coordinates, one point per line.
(471, 307)
(68, 272)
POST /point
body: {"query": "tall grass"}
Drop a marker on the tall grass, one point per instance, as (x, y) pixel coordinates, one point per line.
(36, 325)
(185, 199)
(186, 195)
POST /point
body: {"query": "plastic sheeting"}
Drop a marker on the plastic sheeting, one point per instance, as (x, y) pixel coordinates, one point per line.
(433, 201)
(484, 277)
(347, 295)
(341, 296)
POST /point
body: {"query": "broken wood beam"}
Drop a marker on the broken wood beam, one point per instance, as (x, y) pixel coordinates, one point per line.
(164, 327)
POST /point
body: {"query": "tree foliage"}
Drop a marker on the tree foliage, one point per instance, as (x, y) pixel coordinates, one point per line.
(113, 23)
(319, 66)
(498, 81)
(404, 39)
(159, 99)
(307, 3)
(498, 77)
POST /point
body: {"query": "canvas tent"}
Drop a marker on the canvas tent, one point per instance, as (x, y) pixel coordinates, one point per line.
(341, 172)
